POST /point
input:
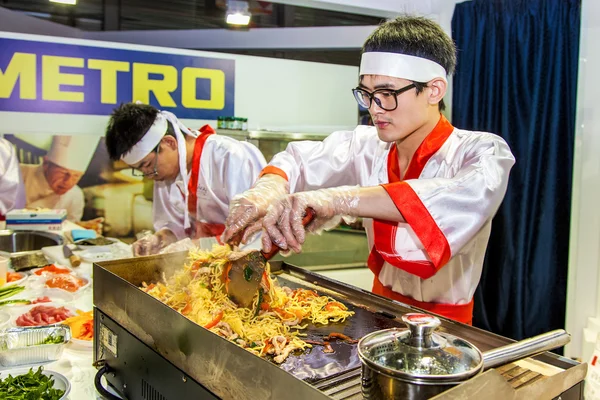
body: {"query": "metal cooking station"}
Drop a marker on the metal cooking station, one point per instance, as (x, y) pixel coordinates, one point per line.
(153, 352)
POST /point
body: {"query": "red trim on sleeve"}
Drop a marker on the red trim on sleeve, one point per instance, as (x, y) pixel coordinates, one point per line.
(425, 227)
(270, 169)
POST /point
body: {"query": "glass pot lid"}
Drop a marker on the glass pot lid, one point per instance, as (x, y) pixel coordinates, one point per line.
(418, 353)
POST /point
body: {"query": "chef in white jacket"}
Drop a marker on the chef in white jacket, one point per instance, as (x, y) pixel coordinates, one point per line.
(196, 173)
(12, 190)
(53, 183)
(427, 191)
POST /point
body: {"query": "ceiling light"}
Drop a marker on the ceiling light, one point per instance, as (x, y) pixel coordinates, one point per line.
(71, 2)
(237, 12)
(238, 19)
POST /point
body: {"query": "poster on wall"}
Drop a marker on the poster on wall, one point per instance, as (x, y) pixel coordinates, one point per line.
(75, 173)
(63, 78)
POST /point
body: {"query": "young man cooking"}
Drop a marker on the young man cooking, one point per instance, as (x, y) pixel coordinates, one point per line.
(427, 191)
(196, 173)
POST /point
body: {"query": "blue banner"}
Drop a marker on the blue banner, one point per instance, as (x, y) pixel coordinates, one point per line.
(76, 79)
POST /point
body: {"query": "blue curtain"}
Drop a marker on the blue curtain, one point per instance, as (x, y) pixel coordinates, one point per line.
(517, 77)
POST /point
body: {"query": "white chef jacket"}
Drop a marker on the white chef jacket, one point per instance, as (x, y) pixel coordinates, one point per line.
(12, 190)
(227, 167)
(451, 190)
(40, 194)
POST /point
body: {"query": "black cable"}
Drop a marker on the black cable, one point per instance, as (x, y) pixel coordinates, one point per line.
(98, 384)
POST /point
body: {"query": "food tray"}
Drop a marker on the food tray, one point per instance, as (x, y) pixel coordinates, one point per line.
(20, 346)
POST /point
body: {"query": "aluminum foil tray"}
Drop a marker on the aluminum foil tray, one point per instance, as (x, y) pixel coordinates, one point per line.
(21, 346)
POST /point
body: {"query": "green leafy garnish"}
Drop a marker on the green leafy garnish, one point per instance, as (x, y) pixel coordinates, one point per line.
(29, 386)
(248, 274)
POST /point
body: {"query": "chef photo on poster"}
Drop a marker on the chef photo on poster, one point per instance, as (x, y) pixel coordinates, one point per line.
(75, 173)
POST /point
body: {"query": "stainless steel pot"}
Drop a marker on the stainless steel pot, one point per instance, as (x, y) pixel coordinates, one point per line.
(418, 363)
(22, 242)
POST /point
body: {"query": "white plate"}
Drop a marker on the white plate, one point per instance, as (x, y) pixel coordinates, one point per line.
(60, 381)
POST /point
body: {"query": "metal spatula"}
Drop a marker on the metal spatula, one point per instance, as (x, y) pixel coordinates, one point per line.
(247, 268)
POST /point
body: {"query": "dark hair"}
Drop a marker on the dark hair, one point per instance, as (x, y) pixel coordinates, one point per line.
(415, 36)
(127, 125)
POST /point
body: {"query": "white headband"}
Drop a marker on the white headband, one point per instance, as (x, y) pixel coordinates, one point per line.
(416, 69)
(148, 142)
(153, 137)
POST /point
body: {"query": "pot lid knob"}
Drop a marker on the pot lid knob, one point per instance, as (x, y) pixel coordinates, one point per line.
(421, 328)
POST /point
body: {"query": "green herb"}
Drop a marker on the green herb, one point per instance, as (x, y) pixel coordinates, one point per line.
(33, 385)
(248, 274)
(253, 345)
(15, 301)
(9, 291)
(51, 339)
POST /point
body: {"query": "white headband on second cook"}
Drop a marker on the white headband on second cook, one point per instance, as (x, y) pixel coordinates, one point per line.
(148, 142)
(416, 69)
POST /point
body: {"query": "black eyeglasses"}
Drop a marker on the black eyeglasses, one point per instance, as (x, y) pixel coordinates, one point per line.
(386, 99)
(136, 172)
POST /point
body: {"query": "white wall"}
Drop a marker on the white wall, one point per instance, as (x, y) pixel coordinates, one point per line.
(583, 302)
(272, 93)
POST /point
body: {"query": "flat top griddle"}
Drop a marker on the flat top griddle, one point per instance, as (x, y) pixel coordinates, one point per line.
(230, 371)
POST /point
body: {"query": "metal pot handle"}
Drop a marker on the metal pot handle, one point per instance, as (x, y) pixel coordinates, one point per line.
(525, 348)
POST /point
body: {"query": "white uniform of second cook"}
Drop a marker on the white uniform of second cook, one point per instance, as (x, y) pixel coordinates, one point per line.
(196, 204)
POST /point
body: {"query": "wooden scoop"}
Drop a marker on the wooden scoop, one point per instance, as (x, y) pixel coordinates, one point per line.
(247, 269)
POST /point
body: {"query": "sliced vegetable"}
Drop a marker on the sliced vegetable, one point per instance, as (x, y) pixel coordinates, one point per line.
(332, 305)
(13, 277)
(52, 269)
(215, 321)
(9, 291)
(82, 325)
(15, 301)
(32, 385)
(67, 282)
(51, 339)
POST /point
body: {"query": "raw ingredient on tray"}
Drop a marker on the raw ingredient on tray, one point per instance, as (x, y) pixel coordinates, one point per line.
(8, 291)
(13, 277)
(67, 282)
(82, 325)
(53, 269)
(51, 339)
(43, 299)
(44, 315)
(99, 241)
(32, 385)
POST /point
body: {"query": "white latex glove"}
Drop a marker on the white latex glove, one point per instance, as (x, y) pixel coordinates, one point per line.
(152, 244)
(283, 222)
(247, 209)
